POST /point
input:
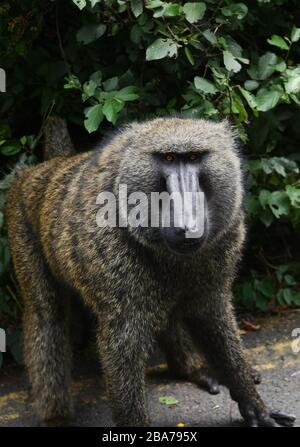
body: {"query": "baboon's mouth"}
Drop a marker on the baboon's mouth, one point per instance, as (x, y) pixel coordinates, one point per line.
(188, 246)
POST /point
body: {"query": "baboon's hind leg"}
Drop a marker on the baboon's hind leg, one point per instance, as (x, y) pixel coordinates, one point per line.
(46, 330)
(47, 358)
(183, 358)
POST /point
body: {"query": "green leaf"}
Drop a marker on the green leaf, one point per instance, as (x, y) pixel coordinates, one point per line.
(168, 400)
(80, 3)
(251, 85)
(204, 85)
(290, 280)
(230, 62)
(111, 84)
(89, 88)
(72, 82)
(137, 7)
(248, 292)
(129, 93)
(194, 11)
(161, 48)
(280, 66)
(261, 302)
(152, 4)
(169, 10)
(295, 98)
(265, 67)
(288, 296)
(294, 195)
(11, 148)
(23, 140)
(94, 116)
(238, 107)
(210, 36)
(249, 98)
(252, 205)
(295, 34)
(96, 77)
(266, 287)
(111, 108)
(284, 166)
(189, 55)
(292, 84)
(5, 131)
(136, 33)
(94, 2)
(267, 99)
(278, 41)
(239, 10)
(279, 203)
(90, 33)
(264, 197)
(254, 166)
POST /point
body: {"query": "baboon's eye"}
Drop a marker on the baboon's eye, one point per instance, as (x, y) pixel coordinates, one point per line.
(193, 157)
(169, 156)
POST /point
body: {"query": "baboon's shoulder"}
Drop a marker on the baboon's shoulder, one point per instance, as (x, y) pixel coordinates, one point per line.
(28, 189)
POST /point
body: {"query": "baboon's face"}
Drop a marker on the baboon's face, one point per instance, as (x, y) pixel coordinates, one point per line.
(193, 161)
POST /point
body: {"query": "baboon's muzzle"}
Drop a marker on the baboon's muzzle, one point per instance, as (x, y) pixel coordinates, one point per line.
(184, 227)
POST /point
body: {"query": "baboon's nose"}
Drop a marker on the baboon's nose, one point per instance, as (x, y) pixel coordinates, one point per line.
(181, 231)
(181, 234)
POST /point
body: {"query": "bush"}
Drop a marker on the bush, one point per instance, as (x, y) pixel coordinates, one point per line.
(103, 63)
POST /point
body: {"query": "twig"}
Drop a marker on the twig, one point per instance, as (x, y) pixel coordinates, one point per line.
(61, 48)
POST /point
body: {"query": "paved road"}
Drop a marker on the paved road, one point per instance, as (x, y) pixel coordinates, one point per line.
(268, 349)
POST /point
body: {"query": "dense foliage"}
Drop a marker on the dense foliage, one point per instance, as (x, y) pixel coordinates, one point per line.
(103, 63)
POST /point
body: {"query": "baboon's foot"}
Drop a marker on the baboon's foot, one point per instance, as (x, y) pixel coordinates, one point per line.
(256, 376)
(201, 376)
(53, 413)
(205, 380)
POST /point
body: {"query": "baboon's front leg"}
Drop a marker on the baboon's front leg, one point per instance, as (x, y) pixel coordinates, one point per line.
(216, 333)
(124, 348)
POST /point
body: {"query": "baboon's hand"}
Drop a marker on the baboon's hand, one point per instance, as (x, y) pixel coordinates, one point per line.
(261, 418)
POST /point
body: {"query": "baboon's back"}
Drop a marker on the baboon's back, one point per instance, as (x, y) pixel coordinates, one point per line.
(40, 208)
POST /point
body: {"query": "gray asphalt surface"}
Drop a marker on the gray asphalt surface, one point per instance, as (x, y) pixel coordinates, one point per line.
(269, 350)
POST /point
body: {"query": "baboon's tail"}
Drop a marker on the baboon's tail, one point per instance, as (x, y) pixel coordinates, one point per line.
(57, 139)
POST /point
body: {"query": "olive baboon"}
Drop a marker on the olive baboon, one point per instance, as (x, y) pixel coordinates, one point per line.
(143, 283)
